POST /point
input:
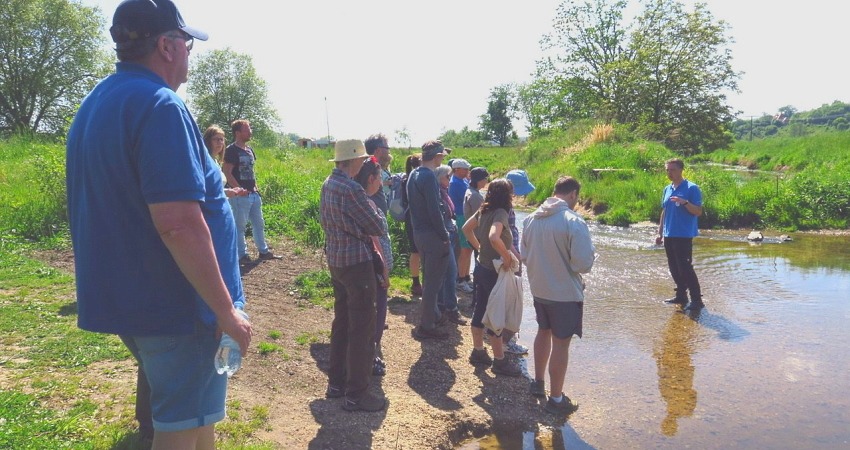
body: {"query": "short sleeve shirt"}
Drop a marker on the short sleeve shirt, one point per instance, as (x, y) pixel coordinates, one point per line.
(134, 143)
(678, 222)
(487, 253)
(243, 165)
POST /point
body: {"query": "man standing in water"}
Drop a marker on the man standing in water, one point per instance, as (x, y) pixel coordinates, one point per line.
(681, 204)
(557, 249)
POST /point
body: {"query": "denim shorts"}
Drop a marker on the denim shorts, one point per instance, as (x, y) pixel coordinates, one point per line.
(186, 391)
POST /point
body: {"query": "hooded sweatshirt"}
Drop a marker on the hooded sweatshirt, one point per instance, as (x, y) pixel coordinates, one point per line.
(557, 249)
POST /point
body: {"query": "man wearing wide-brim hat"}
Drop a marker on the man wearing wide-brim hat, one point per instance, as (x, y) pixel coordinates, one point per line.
(349, 222)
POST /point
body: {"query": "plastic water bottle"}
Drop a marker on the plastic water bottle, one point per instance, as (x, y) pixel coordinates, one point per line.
(228, 358)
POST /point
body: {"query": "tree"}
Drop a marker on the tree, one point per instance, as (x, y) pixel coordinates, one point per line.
(51, 55)
(667, 75)
(224, 86)
(465, 138)
(496, 123)
(403, 135)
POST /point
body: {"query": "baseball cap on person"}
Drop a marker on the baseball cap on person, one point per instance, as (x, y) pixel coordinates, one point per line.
(139, 19)
(431, 149)
(461, 163)
(477, 174)
(519, 179)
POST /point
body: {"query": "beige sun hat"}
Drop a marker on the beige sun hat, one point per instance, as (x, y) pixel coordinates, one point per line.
(348, 149)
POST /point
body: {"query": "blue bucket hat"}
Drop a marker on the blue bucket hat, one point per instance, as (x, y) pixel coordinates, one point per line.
(519, 178)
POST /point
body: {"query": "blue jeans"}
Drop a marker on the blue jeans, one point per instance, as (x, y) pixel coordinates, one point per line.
(447, 299)
(249, 208)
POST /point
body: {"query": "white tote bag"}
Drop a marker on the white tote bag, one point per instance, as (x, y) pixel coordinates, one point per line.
(504, 306)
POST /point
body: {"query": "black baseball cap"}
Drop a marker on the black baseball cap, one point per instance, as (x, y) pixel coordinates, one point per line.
(139, 19)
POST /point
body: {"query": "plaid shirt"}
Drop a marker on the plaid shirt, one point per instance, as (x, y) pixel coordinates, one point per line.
(348, 221)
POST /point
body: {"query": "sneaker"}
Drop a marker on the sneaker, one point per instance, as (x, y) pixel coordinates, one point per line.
(464, 286)
(368, 403)
(334, 392)
(564, 407)
(676, 301)
(516, 348)
(424, 333)
(455, 317)
(537, 388)
(245, 260)
(505, 367)
(480, 358)
(267, 256)
(416, 290)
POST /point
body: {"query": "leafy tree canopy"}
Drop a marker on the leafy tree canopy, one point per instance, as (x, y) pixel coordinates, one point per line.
(666, 74)
(50, 57)
(224, 86)
(496, 123)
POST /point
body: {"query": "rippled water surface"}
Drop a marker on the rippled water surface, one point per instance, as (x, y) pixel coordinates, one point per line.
(765, 365)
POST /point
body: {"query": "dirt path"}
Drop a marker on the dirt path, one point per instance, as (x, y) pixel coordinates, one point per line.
(436, 398)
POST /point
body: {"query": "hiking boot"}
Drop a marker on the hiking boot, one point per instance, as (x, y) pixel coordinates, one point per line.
(455, 317)
(676, 301)
(267, 256)
(516, 348)
(444, 319)
(334, 392)
(416, 290)
(433, 333)
(562, 408)
(695, 305)
(480, 358)
(367, 403)
(506, 367)
(537, 388)
(245, 260)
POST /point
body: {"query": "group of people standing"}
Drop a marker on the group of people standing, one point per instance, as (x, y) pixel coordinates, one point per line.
(158, 245)
(355, 224)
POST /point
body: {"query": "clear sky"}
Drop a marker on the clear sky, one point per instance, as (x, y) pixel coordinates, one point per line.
(384, 65)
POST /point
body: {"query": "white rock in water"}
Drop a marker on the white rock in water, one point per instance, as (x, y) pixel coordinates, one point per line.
(755, 236)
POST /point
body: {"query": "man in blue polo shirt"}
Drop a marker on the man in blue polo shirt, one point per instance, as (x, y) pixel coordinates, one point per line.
(681, 204)
(154, 237)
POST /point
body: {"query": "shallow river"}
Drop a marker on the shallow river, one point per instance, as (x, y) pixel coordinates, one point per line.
(765, 365)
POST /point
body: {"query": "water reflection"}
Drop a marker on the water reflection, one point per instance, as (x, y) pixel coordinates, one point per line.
(676, 369)
(764, 366)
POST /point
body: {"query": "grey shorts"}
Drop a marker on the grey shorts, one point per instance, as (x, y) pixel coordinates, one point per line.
(563, 318)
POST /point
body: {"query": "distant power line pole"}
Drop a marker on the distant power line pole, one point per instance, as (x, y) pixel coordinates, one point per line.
(327, 120)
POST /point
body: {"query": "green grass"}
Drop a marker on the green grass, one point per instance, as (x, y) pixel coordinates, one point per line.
(316, 288)
(312, 338)
(268, 347)
(47, 402)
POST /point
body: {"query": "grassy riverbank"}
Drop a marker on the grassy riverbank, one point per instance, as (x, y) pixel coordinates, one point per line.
(46, 396)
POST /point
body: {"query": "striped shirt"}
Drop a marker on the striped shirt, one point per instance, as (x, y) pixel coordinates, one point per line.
(348, 221)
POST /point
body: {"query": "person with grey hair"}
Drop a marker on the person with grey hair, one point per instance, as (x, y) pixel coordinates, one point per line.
(447, 299)
(153, 234)
(430, 235)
